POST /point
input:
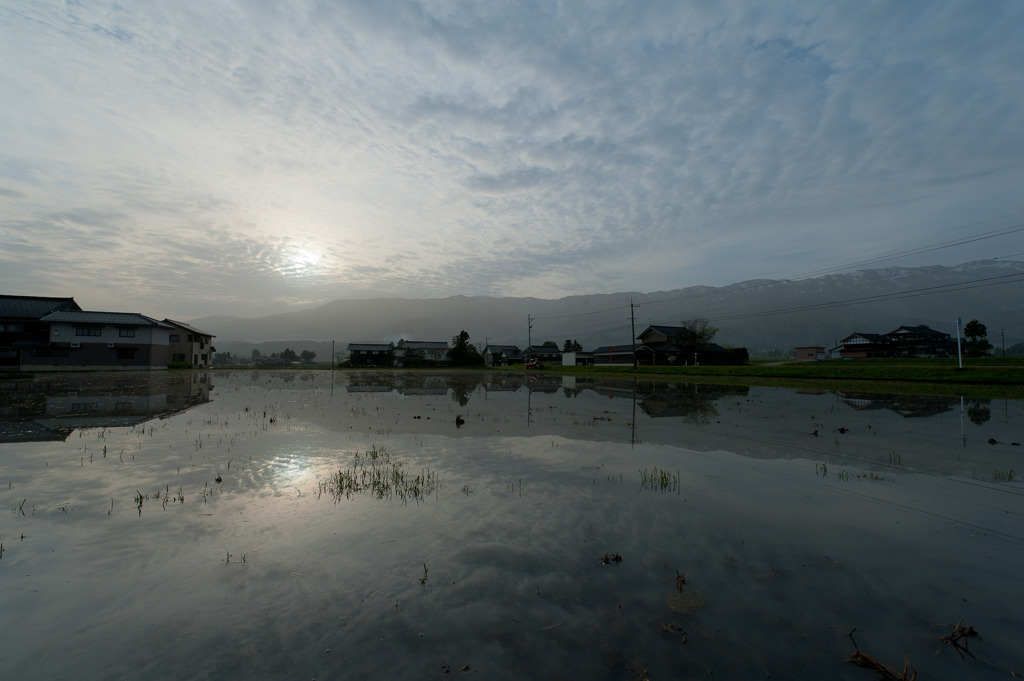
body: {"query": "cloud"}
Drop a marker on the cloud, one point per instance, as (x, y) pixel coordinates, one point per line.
(221, 157)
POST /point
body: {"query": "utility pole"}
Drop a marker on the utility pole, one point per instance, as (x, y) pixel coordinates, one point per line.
(529, 334)
(959, 354)
(632, 328)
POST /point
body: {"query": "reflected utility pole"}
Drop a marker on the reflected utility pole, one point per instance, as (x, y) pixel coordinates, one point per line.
(963, 433)
(632, 328)
(632, 430)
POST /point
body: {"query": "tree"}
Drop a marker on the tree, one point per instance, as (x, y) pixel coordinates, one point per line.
(256, 354)
(696, 335)
(308, 356)
(977, 339)
(223, 358)
(288, 355)
(572, 346)
(462, 353)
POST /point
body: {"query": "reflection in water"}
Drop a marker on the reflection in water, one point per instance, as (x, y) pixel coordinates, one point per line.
(52, 406)
(568, 529)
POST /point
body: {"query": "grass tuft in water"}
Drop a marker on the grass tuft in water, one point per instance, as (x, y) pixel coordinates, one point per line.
(659, 480)
(382, 476)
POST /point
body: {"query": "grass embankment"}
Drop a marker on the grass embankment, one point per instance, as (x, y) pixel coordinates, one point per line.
(990, 377)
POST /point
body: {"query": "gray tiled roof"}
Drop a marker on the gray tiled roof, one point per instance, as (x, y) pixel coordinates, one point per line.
(188, 328)
(426, 345)
(368, 347)
(108, 318)
(33, 307)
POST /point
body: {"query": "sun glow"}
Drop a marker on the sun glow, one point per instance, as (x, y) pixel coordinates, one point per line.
(300, 261)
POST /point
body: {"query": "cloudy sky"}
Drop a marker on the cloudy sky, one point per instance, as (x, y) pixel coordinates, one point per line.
(199, 157)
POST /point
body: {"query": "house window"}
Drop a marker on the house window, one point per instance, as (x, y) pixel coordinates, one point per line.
(126, 333)
(178, 357)
(13, 328)
(8, 353)
(126, 353)
(88, 331)
(175, 338)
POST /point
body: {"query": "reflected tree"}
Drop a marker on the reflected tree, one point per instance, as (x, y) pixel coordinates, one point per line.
(978, 411)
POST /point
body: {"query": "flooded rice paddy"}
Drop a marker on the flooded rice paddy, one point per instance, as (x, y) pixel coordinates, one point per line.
(317, 525)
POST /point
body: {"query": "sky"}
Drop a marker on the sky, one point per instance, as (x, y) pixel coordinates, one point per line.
(190, 158)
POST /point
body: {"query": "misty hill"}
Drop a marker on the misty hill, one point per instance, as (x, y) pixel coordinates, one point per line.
(762, 315)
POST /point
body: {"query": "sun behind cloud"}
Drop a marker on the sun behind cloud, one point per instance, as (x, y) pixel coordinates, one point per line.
(300, 261)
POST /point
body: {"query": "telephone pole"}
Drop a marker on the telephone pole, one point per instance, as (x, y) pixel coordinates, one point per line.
(632, 328)
(529, 334)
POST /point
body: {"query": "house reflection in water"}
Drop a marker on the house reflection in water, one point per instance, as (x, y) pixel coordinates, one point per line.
(52, 406)
(907, 406)
(693, 402)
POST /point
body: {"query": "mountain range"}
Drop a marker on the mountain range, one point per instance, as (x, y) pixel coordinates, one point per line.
(768, 317)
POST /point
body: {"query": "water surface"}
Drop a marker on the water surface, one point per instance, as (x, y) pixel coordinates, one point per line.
(193, 525)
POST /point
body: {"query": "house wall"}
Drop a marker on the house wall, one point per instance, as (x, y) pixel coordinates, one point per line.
(198, 351)
(149, 349)
(810, 352)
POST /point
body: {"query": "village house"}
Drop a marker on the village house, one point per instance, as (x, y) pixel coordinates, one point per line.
(905, 341)
(21, 328)
(420, 353)
(190, 345)
(502, 355)
(371, 354)
(81, 340)
(662, 344)
(809, 353)
(548, 352)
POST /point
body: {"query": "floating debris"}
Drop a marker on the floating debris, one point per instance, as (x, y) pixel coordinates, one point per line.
(611, 558)
(685, 600)
(960, 632)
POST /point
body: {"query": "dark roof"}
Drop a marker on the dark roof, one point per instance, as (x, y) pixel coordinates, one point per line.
(497, 349)
(614, 349)
(873, 337)
(368, 347)
(33, 307)
(188, 328)
(921, 330)
(665, 330)
(107, 318)
(426, 345)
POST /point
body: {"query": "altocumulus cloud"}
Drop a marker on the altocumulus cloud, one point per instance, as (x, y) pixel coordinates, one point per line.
(224, 157)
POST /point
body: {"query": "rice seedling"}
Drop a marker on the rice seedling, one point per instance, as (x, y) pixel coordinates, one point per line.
(659, 480)
(1005, 476)
(423, 579)
(378, 473)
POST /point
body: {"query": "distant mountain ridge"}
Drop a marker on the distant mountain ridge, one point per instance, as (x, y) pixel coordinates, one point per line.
(764, 316)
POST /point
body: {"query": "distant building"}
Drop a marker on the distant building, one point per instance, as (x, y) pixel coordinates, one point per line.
(548, 352)
(420, 353)
(189, 344)
(577, 359)
(810, 352)
(371, 354)
(905, 341)
(502, 355)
